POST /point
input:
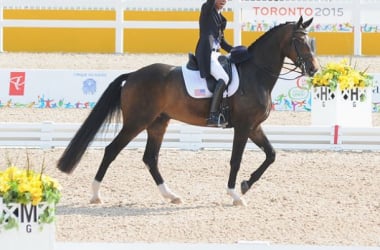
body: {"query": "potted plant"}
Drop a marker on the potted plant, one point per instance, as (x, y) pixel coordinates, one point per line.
(27, 209)
(341, 95)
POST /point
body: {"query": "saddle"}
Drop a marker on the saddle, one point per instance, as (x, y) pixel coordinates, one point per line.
(192, 64)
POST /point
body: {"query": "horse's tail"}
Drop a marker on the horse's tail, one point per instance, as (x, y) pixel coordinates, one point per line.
(105, 109)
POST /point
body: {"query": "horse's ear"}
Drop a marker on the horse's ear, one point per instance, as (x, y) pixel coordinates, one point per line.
(307, 23)
(299, 23)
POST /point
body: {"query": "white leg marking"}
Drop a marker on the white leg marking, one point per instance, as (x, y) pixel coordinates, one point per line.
(237, 201)
(168, 194)
(95, 193)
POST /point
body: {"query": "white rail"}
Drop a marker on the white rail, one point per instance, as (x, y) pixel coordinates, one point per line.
(355, 7)
(182, 136)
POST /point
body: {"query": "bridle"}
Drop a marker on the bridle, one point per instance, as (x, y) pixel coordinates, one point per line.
(300, 59)
(300, 62)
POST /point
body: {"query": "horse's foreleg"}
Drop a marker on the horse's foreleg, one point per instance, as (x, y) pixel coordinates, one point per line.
(110, 153)
(260, 139)
(156, 133)
(239, 142)
(95, 199)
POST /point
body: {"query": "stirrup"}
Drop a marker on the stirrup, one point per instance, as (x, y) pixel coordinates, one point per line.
(217, 120)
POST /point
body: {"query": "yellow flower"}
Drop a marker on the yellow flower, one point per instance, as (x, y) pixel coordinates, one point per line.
(12, 172)
(24, 187)
(29, 186)
(52, 182)
(326, 78)
(36, 193)
(341, 75)
(4, 185)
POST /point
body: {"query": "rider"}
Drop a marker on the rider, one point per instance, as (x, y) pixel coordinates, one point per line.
(211, 38)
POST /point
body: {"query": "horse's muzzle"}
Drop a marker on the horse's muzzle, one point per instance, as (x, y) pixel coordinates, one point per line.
(312, 71)
(311, 67)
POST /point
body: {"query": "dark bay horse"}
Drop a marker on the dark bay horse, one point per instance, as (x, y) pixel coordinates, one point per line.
(149, 97)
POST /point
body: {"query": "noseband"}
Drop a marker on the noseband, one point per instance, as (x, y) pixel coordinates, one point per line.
(301, 58)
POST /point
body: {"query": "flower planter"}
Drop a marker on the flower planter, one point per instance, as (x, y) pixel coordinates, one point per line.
(352, 107)
(29, 234)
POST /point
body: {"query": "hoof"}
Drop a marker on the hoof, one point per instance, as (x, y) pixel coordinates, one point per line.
(244, 187)
(96, 201)
(176, 201)
(239, 203)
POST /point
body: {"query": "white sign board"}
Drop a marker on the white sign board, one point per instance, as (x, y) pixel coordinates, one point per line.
(82, 89)
(53, 88)
(332, 17)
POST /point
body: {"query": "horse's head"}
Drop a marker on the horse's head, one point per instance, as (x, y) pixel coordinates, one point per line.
(299, 48)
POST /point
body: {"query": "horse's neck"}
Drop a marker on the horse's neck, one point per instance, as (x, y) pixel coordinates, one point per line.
(268, 62)
(269, 55)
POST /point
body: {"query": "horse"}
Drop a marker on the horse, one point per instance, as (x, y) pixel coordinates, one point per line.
(151, 96)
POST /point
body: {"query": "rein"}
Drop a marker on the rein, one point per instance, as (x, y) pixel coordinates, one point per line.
(290, 70)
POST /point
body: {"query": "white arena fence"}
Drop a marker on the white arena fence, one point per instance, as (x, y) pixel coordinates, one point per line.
(181, 136)
(352, 11)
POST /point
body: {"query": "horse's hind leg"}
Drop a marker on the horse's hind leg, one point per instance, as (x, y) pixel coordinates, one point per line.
(260, 139)
(111, 151)
(156, 133)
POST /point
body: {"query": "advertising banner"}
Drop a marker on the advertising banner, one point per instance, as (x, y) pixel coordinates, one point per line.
(331, 17)
(292, 94)
(82, 88)
(53, 88)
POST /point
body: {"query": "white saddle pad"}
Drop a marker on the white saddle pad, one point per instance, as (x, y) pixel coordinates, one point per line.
(197, 86)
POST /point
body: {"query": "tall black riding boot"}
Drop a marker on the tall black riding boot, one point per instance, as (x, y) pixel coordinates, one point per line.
(214, 118)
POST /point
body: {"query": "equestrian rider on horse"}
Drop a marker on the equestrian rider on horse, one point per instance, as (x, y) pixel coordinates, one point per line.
(211, 38)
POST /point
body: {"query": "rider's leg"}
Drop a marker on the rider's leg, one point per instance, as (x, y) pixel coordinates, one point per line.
(218, 73)
(213, 120)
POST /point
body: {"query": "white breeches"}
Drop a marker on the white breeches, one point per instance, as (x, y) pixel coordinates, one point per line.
(216, 68)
